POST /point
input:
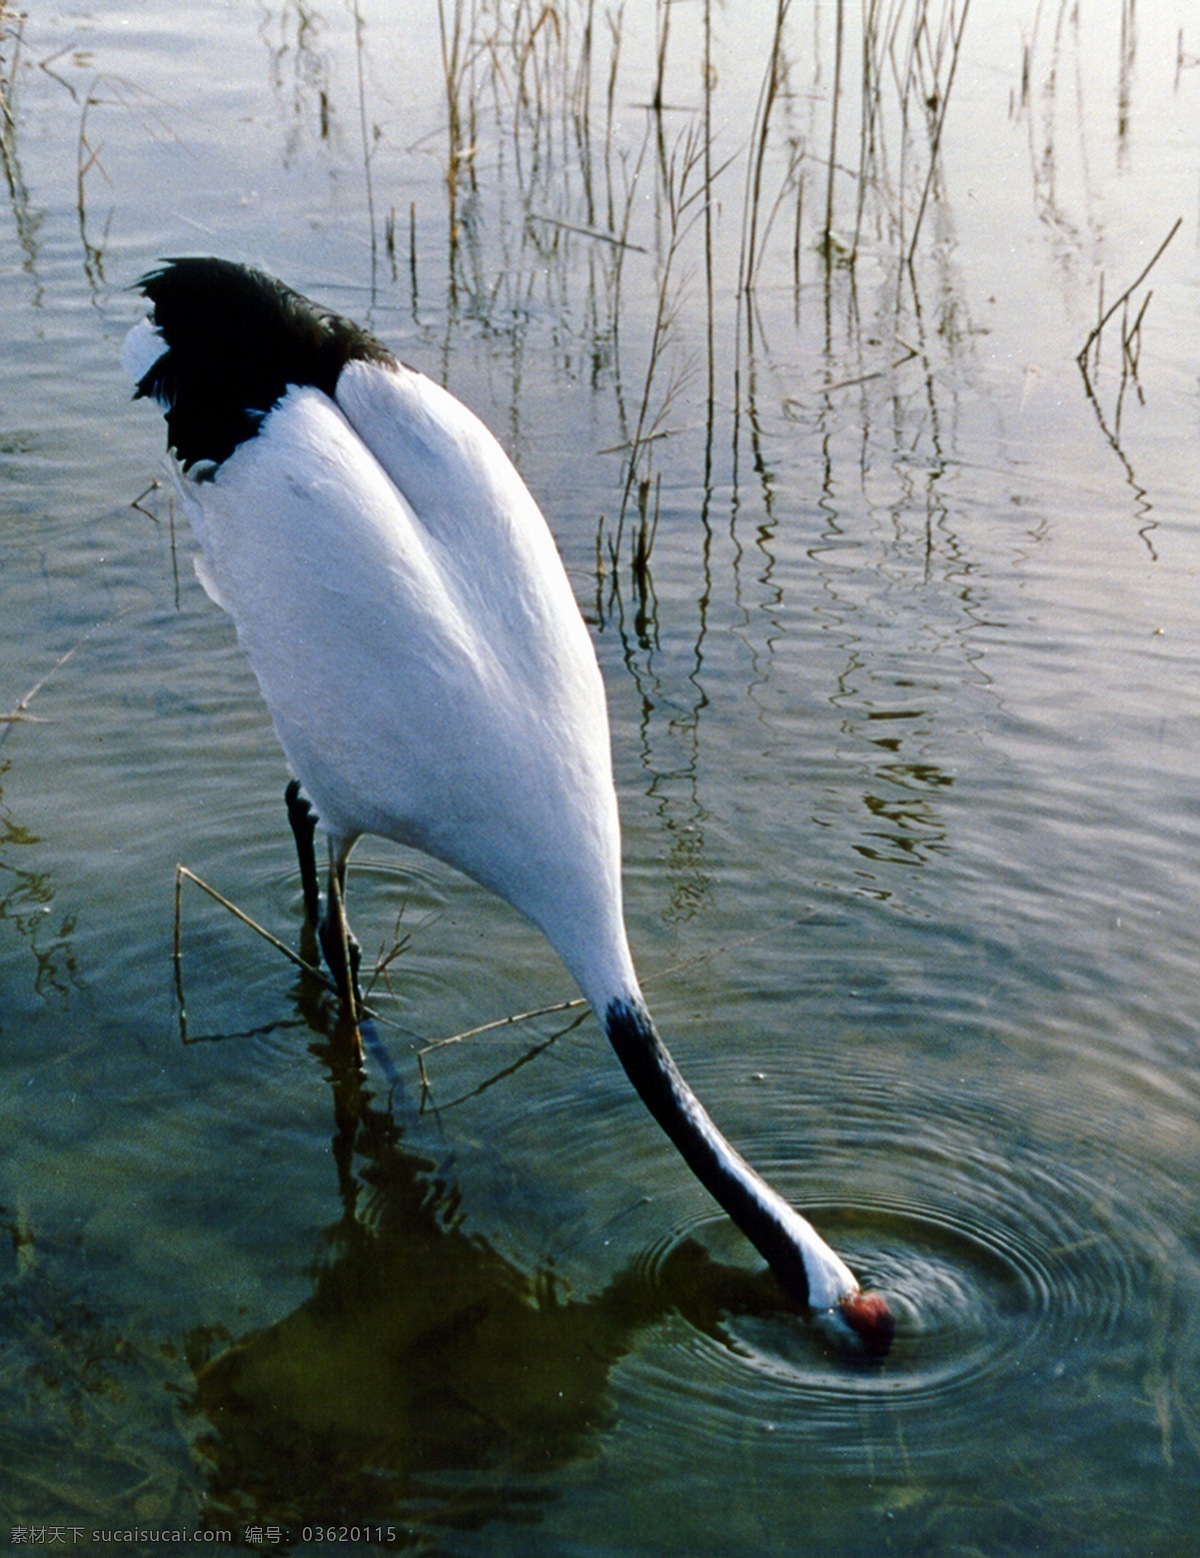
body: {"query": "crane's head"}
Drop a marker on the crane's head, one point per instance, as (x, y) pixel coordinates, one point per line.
(869, 1318)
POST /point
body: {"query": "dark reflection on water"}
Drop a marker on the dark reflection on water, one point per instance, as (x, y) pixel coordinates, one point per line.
(428, 1378)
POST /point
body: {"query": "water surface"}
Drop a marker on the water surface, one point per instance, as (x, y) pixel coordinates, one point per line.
(905, 721)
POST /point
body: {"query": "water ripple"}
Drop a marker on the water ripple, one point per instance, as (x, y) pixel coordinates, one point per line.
(990, 1295)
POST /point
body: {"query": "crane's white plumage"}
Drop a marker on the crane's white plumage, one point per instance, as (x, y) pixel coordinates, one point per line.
(472, 740)
(408, 618)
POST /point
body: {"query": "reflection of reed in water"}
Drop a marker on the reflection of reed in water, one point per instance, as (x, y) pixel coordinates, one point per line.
(26, 897)
(427, 1377)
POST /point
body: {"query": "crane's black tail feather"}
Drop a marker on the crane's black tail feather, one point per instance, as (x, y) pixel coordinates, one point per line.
(235, 340)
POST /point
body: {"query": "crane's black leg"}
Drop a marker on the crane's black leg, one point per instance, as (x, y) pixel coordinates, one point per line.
(342, 952)
(304, 824)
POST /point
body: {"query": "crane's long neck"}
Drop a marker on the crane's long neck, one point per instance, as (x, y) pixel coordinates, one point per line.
(802, 1262)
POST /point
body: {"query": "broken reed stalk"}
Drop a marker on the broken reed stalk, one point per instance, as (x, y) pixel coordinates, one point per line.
(904, 75)
(534, 63)
(87, 157)
(662, 29)
(19, 714)
(581, 110)
(617, 241)
(412, 253)
(500, 1022)
(643, 538)
(573, 1004)
(1098, 328)
(630, 183)
(360, 1009)
(1131, 338)
(615, 21)
(182, 874)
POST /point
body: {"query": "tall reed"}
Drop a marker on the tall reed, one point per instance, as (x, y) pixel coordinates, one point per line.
(542, 109)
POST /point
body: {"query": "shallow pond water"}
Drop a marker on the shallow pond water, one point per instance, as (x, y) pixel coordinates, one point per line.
(905, 721)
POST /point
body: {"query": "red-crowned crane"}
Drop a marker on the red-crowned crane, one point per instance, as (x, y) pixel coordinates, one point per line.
(406, 613)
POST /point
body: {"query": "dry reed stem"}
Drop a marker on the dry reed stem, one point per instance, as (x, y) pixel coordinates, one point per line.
(598, 233)
(19, 714)
(686, 156)
(750, 254)
(183, 874)
(501, 1022)
(359, 31)
(943, 100)
(827, 235)
(7, 93)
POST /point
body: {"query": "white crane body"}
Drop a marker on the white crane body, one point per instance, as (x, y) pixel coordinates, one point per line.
(404, 608)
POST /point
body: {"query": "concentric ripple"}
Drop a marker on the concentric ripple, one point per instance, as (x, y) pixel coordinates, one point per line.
(992, 1292)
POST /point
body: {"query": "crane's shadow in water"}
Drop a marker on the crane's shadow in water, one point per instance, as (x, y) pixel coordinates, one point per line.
(427, 1379)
